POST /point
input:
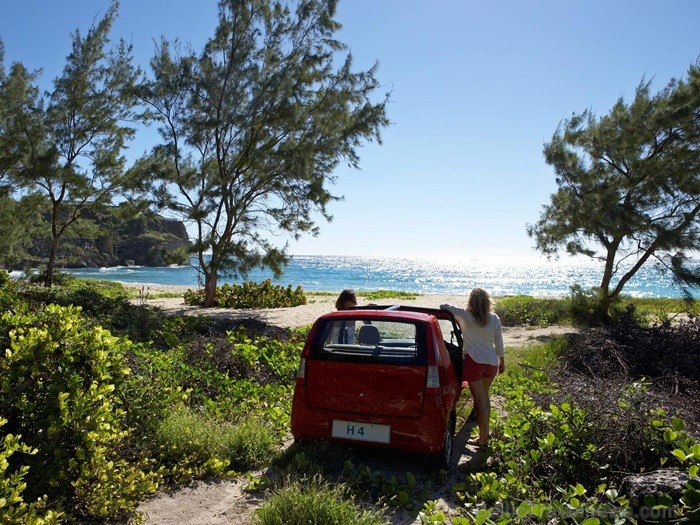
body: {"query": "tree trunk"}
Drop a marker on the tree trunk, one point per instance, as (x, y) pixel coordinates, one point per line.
(605, 302)
(606, 298)
(48, 276)
(55, 236)
(210, 280)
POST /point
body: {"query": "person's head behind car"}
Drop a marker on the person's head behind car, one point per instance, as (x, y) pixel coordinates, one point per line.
(347, 299)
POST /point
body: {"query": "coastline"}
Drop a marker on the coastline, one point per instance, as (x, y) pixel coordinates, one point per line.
(296, 316)
(290, 317)
(427, 275)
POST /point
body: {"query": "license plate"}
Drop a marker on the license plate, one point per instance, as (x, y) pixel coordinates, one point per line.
(361, 431)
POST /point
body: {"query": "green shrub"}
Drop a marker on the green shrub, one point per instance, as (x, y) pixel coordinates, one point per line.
(61, 384)
(153, 387)
(268, 356)
(239, 374)
(388, 294)
(8, 295)
(97, 298)
(390, 490)
(193, 444)
(586, 307)
(564, 458)
(250, 295)
(585, 446)
(13, 509)
(4, 278)
(233, 378)
(520, 310)
(302, 503)
(233, 374)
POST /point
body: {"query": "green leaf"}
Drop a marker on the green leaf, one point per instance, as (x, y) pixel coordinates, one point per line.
(679, 454)
(538, 509)
(410, 479)
(677, 424)
(482, 516)
(523, 510)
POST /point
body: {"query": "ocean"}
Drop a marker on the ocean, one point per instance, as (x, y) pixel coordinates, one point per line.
(426, 275)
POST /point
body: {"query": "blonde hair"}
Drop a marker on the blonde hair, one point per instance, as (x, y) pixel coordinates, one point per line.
(479, 305)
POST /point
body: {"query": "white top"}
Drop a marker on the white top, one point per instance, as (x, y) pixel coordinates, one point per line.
(484, 344)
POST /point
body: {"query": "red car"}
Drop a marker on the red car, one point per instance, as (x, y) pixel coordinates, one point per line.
(379, 375)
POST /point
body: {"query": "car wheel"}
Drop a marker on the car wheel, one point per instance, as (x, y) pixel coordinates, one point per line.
(443, 459)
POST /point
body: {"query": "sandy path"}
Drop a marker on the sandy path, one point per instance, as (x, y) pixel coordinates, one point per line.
(319, 305)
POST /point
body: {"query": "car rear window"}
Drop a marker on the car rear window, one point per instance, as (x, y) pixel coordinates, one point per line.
(375, 341)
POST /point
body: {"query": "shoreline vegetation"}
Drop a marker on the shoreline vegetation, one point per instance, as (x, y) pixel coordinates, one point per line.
(190, 406)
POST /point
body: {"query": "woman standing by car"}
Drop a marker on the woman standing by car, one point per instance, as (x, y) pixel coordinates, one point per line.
(346, 299)
(483, 354)
(346, 332)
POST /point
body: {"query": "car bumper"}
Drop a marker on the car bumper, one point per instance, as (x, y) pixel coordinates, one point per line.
(422, 434)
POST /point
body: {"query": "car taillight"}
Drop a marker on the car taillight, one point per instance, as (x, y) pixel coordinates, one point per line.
(301, 371)
(432, 384)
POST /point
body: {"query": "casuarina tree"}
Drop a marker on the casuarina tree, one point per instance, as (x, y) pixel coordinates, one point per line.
(20, 124)
(72, 142)
(253, 127)
(629, 186)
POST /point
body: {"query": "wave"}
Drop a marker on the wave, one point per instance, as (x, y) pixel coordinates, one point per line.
(448, 275)
(107, 269)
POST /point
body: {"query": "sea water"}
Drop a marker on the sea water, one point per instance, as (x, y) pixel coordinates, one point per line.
(427, 275)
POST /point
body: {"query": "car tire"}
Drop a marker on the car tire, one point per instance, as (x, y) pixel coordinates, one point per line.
(443, 459)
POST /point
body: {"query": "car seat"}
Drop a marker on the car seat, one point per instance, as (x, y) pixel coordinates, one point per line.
(368, 335)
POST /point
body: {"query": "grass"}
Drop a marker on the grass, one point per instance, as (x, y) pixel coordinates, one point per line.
(245, 445)
(314, 501)
(158, 295)
(389, 294)
(369, 295)
(114, 288)
(661, 309)
(540, 355)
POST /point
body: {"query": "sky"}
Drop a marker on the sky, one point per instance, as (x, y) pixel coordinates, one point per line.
(477, 89)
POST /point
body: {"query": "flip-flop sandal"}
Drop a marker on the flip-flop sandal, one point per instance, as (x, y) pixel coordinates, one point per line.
(474, 442)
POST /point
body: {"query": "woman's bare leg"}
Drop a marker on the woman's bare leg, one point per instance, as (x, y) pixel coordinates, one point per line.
(482, 405)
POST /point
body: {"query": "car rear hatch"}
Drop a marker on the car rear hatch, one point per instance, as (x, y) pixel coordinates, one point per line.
(368, 366)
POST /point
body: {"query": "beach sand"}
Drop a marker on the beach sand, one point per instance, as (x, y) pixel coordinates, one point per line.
(318, 305)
